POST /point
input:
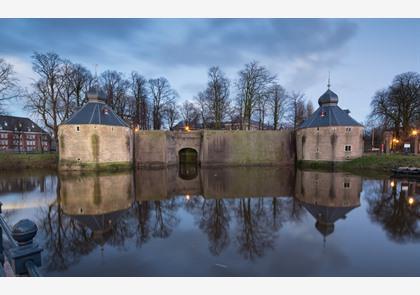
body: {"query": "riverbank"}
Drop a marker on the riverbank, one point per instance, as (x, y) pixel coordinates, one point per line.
(382, 163)
(15, 161)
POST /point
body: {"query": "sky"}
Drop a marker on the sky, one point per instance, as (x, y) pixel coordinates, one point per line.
(361, 55)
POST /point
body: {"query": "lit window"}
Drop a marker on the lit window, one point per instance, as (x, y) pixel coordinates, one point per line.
(5, 123)
(347, 148)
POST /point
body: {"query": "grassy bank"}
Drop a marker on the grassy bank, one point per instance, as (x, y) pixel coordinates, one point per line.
(382, 163)
(14, 161)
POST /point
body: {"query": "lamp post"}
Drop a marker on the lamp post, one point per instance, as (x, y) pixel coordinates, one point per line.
(414, 133)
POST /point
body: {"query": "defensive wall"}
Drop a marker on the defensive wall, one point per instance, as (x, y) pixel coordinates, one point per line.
(215, 147)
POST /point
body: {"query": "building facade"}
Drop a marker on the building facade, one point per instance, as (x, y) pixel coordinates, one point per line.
(329, 134)
(94, 137)
(19, 134)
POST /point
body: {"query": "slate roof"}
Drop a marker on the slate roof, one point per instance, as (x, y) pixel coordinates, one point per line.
(96, 112)
(329, 113)
(327, 214)
(11, 123)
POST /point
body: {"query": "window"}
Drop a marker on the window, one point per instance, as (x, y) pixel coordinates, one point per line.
(348, 129)
(78, 128)
(105, 110)
(323, 114)
(3, 135)
(346, 184)
(347, 148)
(5, 123)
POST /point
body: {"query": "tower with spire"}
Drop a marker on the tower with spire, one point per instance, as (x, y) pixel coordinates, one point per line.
(330, 134)
(95, 137)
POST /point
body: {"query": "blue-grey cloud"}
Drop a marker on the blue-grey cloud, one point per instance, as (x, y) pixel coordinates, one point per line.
(175, 41)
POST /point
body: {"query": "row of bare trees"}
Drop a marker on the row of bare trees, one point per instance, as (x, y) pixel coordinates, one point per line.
(60, 89)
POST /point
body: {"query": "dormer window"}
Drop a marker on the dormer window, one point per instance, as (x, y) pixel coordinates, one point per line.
(5, 123)
(105, 111)
(323, 114)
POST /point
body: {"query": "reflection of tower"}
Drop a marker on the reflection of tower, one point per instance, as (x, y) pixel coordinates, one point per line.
(328, 197)
(327, 216)
(96, 201)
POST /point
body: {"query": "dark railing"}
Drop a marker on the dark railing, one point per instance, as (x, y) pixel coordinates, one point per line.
(23, 255)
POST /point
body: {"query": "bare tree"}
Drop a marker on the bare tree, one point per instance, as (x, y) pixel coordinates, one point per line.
(140, 105)
(162, 94)
(276, 100)
(189, 113)
(202, 108)
(116, 89)
(399, 104)
(216, 96)
(46, 100)
(309, 109)
(8, 83)
(81, 80)
(171, 114)
(253, 84)
(296, 109)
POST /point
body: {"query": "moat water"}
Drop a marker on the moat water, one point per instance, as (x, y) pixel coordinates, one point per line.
(219, 222)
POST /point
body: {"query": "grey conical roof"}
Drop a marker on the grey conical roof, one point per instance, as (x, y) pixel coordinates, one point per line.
(96, 112)
(329, 113)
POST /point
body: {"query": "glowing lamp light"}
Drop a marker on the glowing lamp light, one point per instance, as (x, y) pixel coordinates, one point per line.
(395, 140)
(392, 183)
(136, 129)
(411, 200)
(187, 128)
(414, 132)
(187, 197)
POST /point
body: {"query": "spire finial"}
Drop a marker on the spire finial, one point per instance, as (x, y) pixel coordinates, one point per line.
(96, 71)
(329, 80)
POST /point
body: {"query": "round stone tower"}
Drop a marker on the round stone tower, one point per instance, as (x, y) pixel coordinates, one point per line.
(94, 137)
(329, 134)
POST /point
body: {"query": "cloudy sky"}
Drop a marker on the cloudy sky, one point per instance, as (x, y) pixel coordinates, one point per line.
(362, 55)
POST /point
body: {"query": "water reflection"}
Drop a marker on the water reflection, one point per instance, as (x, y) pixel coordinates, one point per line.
(239, 214)
(328, 197)
(89, 211)
(395, 205)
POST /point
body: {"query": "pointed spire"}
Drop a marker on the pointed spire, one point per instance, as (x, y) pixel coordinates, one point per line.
(329, 80)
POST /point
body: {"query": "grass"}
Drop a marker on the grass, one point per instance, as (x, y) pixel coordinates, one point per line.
(16, 161)
(366, 164)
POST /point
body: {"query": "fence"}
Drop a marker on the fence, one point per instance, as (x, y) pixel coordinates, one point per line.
(23, 255)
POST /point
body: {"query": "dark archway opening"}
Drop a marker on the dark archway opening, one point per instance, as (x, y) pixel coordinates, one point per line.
(188, 163)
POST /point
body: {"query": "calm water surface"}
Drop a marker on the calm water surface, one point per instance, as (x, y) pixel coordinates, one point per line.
(219, 222)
